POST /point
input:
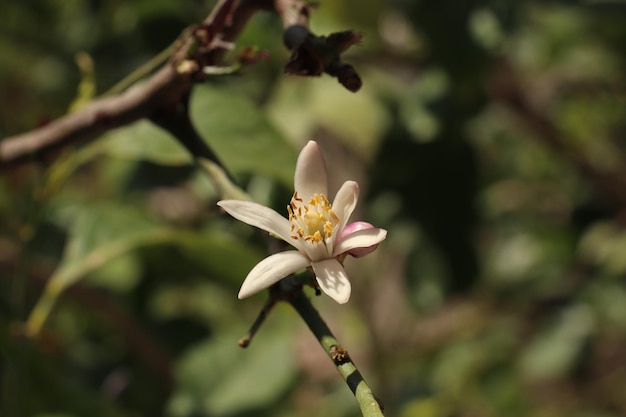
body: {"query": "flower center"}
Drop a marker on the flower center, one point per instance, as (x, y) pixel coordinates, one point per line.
(313, 221)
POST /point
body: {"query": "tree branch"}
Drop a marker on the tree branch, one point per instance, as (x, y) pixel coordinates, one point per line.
(96, 118)
(161, 95)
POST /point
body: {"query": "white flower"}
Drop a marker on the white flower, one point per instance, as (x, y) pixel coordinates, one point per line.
(314, 228)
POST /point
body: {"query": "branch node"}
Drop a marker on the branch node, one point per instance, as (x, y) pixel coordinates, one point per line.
(339, 355)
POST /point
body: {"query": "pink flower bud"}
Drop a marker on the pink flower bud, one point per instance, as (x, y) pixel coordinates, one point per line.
(355, 227)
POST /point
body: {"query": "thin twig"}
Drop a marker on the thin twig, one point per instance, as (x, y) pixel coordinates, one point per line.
(244, 342)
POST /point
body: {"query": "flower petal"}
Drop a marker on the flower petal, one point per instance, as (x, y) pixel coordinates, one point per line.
(355, 227)
(271, 270)
(360, 239)
(345, 202)
(332, 279)
(310, 176)
(260, 216)
(315, 251)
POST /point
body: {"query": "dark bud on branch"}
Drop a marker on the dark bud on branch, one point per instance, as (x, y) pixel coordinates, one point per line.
(341, 41)
(294, 36)
(346, 75)
(313, 55)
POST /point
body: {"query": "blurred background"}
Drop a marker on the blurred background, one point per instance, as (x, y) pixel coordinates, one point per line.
(489, 138)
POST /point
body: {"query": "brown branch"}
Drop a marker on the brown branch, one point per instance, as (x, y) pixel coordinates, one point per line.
(164, 93)
(99, 116)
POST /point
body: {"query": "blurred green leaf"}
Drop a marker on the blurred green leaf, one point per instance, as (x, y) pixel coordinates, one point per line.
(225, 256)
(144, 140)
(424, 407)
(604, 245)
(236, 129)
(555, 351)
(120, 274)
(206, 301)
(421, 121)
(101, 232)
(608, 300)
(219, 378)
(98, 234)
(302, 106)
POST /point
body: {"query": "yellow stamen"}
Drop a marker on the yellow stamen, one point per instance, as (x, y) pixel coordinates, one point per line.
(314, 221)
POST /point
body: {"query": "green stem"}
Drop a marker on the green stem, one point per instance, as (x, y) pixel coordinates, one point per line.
(42, 310)
(141, 72)
(69, 275)
(219, 179)
(370, 407)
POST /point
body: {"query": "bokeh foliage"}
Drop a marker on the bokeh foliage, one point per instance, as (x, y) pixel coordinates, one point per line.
(499, 291)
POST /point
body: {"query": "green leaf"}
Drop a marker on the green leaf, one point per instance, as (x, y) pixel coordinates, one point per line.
(234, 128)
(98, 234)
(221, 254)
(423, 407)
(240, 135)
(555, 351)
(144, 140)
(303, 105)
(120, 274)
(604, 245)
(218, 378)
(206, 301)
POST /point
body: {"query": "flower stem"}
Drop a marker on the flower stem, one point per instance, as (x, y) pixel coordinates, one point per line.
(369, 404)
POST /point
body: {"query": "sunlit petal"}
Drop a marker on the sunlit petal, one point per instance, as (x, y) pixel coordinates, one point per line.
(271, 270)
(310, 176)
(360, 239)
(260, 216)
(332, 279)
(345, 202)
